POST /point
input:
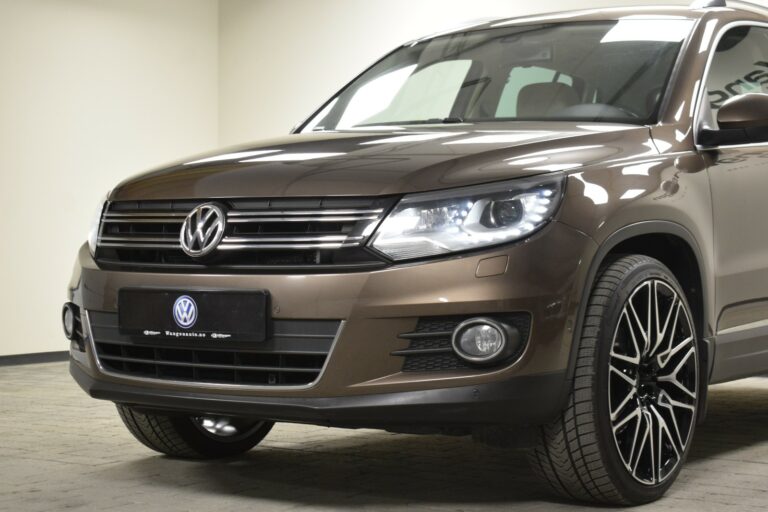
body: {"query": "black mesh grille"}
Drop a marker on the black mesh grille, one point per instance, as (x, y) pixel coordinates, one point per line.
(434, 362)
(430, 343)
(294, 355)
(268, 234)
(78, 337)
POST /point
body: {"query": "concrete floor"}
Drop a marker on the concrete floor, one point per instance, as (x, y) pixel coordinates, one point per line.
(63, 450)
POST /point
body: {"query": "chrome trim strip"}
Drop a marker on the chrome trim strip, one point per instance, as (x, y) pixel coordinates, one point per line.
(169, 220)
(140, 245)
(225, 246)
(129, 238)
(131, 215)
(277, 213)
(230, 244)
(242, 220)
(207, 385)
(321, 238)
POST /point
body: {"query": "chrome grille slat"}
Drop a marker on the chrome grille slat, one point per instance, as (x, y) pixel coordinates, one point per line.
(132, 239)
(295, 239)
(309, 246)
(140, 245)
(244, 220)
(304, 213)
(297, 232)
(148, 220)
(135, 215)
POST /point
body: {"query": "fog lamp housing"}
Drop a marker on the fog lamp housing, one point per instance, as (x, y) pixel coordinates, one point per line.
(68, 320)
(485, 341)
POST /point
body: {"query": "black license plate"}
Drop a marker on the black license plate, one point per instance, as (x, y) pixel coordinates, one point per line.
(190, 315)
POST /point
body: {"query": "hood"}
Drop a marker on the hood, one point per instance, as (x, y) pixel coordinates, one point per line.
(368, 163)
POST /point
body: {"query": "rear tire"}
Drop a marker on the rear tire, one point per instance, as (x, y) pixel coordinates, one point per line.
(636, 378)
(194, 437)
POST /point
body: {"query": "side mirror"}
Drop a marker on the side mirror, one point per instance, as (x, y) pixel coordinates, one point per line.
(742, 119)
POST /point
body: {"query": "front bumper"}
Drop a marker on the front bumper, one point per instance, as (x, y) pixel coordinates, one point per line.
(363, 382)
(518, 401)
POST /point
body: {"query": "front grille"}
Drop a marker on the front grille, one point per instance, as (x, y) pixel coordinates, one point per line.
(294, 355)
(270, 234)
(430, 343)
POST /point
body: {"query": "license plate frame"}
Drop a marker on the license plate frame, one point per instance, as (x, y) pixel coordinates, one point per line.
(219, 315)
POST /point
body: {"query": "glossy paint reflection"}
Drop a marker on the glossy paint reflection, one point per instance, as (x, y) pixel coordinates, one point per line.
(372, 162)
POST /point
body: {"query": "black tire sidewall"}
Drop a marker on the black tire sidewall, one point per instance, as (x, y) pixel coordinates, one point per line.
(631, 489)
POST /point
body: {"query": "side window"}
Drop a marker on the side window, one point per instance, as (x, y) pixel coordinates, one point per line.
(740, 65)
(518, 78)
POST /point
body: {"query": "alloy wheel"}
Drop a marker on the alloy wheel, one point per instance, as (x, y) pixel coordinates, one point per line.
(653, 382)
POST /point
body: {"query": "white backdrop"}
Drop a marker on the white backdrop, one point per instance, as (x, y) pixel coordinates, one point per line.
(280, 59)
(93, 91)
(90, 91)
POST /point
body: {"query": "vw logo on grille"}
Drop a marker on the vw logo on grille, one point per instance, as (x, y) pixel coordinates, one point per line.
(203, 230)
(185, 311)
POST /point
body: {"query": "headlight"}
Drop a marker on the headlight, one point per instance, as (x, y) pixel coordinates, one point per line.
(93, 232)
(469, 218)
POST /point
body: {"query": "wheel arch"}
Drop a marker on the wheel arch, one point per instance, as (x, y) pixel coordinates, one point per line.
(677, 248)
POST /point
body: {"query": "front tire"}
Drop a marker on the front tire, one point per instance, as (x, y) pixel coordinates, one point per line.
(194, 437)
(628, 425)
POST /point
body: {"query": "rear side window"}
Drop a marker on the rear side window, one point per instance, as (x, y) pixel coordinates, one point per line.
(740, 65)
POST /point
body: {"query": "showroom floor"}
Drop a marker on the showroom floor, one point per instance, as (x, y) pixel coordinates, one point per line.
(63, 450)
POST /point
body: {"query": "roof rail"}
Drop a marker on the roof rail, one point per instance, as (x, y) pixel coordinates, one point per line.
(706, 4)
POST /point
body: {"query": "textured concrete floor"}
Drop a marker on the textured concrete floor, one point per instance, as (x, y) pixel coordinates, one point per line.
(62, 450)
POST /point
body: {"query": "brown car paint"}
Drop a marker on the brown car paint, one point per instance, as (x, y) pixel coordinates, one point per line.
(625, 185)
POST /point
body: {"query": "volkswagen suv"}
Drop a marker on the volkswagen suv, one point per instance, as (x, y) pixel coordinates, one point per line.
(544, 232)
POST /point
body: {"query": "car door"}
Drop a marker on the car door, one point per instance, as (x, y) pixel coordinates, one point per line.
(739, 181)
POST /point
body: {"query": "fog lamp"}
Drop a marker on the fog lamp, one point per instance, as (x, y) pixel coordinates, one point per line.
(485, 340)
(68, 319)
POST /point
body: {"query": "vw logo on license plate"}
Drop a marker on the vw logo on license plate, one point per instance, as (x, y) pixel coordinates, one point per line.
(185, 312)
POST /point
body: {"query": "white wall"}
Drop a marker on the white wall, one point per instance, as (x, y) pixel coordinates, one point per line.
(280, 59)
(90, 92)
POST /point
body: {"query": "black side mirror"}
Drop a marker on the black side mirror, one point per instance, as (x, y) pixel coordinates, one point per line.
(742, 120)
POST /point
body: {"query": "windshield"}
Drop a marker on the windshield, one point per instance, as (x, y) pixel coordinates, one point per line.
(613, 71)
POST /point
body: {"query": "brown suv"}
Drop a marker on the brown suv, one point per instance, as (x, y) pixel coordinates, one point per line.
(544, 231)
